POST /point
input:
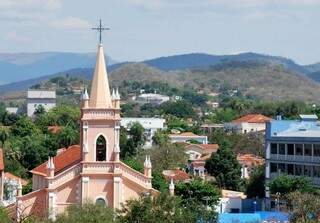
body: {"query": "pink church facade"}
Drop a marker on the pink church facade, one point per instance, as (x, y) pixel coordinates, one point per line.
(91, 171)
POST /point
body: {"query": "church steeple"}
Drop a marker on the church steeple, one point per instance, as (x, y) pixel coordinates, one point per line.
(100, 92)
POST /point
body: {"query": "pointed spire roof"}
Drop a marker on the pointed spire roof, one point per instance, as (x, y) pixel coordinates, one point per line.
(100, 92)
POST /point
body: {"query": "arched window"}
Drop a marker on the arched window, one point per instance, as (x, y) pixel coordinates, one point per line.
(101, 148)
(101, 201)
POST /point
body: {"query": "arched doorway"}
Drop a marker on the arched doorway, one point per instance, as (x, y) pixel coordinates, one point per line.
(101, 201)
(101, 149)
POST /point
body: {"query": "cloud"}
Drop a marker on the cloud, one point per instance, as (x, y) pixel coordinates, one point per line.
(30, 4)
(71, 23)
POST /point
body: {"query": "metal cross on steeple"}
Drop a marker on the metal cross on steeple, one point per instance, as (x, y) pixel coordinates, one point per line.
(100, 28)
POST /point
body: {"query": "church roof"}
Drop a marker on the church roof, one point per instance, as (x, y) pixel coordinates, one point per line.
(1, 160)
(65, 159)
(100, 92)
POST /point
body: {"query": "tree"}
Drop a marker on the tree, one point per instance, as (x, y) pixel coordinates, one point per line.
(224, 166)
(285, 184)
(4, 134)
(304, 207)
(24, 127)
(168, 156)
(136, 134)
(256, 183)
(4, 216)
(39, 110)
(180, 109)
(86, 213)
(161, 208)
(132, 140)
(198, 191)
(68, 136)
(160, 138)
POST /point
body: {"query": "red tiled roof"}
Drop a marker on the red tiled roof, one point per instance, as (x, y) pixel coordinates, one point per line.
(55, 129)
(185, 134)
(67, 158)
(14, 177)
(210, 146)
(1, 160)
(176, 175)
(252, 118)
(198, 164)
(250, 160)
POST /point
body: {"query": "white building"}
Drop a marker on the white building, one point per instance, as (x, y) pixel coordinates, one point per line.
(248, 123)
(150, 125)
(12, 110)
(39, 97)
(151, 98)
(188, 137)
(230, 202)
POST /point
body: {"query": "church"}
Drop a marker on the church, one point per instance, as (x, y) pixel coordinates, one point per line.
(91, 171)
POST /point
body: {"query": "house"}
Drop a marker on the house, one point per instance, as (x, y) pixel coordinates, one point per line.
(248, 162)
(12, 110)
(92, 170)
(210, 127)
(188, 137)
(36, 98)
(248, 123)
(156, 99)
(198, 154)
(150, 125)
(293, 148)
(230, 202)
(176, 175)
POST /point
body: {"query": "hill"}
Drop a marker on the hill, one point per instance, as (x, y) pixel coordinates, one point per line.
(24, 66)
(313, 67)
(195, 60)
(255, 79)
(314, 76)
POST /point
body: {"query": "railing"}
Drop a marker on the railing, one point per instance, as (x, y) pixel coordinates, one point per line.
(136, 176)
(295, 158)
(98, 167)
(65, 176)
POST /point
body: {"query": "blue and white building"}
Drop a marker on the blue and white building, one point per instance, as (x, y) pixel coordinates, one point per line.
(293, 148)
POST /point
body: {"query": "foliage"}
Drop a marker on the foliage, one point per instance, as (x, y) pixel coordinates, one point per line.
(86, 213)
(160, 138)
(180, 109)
(304, 207)
(24, 127)
(224, 166)
(168, 156)
(4, 216)
(132, 140)
(162, 208)
(158, 181)
(256, 183)
(134, 163)
(198, 191)
(27, 188)
(285, 184)
(68, 136)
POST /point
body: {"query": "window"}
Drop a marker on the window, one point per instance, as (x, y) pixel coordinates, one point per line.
(307, 150)
(274, 148)
(101, 148)
(282, 168)
(282, 149)
(101, 201)
(316, 150)
(316, 171)
(299, 150)
(298, 170)
(273, 168)
(308, 171)
(290, 169)
(290, 149)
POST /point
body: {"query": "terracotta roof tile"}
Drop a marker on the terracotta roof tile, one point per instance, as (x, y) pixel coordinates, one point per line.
(67, 158)
(210, 146)
(185, 134)
(252, 118)
(1, 160)
(250, 160)
(176, 175)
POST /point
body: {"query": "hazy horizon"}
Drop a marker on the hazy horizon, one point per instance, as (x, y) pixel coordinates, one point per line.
(146, 29)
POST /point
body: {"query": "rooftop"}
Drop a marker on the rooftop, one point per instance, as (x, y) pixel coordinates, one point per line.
(10, 176)
(185, 134)
(65, 159)
(252, 118)
(250, 160)
(307, 126)
(41, 94)
(176, 175)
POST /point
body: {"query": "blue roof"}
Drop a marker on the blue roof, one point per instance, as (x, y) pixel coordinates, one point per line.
(253, 217)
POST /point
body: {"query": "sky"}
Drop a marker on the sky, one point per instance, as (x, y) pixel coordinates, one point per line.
(144, 29)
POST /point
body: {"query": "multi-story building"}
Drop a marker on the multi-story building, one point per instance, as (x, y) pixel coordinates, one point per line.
(37, 98)
(293, 148)
(188, 137)
(150, 125)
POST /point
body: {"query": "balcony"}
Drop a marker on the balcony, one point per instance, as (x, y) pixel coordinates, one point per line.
(295, 158)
